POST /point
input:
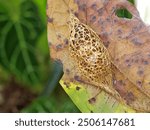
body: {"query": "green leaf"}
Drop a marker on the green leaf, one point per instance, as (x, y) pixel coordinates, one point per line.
(103, 102)
(42, 8)
(20, 26)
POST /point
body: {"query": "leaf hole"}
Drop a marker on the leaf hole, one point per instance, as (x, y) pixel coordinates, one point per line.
(123, 13)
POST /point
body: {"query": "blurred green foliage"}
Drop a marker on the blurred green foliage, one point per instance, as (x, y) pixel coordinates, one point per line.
(21, 26)
(57, 102)
(24, 55)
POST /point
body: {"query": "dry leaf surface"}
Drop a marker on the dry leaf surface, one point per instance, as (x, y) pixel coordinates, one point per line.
(126, 40)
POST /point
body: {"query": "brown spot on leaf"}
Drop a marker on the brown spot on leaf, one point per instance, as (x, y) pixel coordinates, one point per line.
(59, 36)
(140, 72)
(76, 14)
(82, 7)
(130, 97)
(108, 19)
(94, 6)
(106, 44)
(145, 62)
(136, 41)
(127, 60)
(119, 31)
(117, 59)
(67, 71)
(77, 78)
(92, 100)
(101, 22)
(137, 28)
(100, 11)
(134, 29)
(106, 2)
(66, 41)
(115, 20)
(50, 20)
(139, 83)
(66, 84)
(119, 87)
(78, 88)
(93, 19)
(129, 65)
(58, 47)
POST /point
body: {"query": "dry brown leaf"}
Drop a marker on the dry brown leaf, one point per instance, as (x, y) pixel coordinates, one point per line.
(119, 36)
(126, 39)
